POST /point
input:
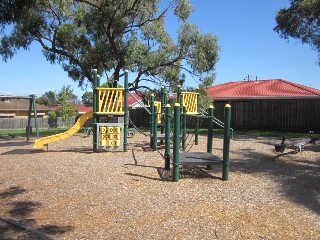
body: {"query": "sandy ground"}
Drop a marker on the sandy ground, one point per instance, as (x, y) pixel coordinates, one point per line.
(69, 192)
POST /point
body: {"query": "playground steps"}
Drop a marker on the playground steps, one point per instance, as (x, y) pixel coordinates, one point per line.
(198, 158)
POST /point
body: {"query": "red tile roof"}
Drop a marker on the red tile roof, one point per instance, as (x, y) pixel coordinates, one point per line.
(82, 108)
(131, 99)
(275, 88)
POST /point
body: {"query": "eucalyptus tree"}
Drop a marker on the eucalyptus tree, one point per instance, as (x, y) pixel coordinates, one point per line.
(301, 21)
(110, 36)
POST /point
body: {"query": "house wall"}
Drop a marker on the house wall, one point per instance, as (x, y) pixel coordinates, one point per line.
(276, 114)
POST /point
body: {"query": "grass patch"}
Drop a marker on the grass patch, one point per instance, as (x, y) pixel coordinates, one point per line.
(259, 133)
(22, 132)
(253, 133)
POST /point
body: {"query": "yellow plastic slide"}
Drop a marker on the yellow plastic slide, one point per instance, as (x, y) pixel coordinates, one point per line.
(39, 143)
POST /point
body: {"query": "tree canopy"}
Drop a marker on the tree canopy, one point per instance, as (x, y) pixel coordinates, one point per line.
(67, 103)
(301, 21)
(48, 99)
(111, 35)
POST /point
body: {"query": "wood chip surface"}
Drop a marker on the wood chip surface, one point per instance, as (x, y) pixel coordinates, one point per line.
(69, 192)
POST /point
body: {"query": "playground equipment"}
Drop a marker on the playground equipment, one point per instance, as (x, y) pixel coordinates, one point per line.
(39, 143)
(111, 103)
(297, 145)
(188, 102)
(32, 105)
(195, 158)
(157, 110)
(110, 119)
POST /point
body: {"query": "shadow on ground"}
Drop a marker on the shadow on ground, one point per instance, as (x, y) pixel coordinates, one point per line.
(298, 176)
(16, 221)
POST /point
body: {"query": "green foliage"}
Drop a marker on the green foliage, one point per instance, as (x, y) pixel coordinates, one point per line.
(301, 21)
(67, 103)
(67, 110)
(112, 35)
(204, 100)
(66, 95)
(52, 120)
(13, 10)
(52, 115)
(87, 99)
(48, 99)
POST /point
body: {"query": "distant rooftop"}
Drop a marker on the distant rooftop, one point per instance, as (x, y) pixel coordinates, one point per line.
(274, 88)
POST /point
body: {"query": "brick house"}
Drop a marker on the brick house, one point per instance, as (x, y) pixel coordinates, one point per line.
(19, 108)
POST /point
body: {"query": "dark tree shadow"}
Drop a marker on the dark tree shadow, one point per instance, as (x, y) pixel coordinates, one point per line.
(299, 179)
(18, 224)
(12, 192)
(166, 175)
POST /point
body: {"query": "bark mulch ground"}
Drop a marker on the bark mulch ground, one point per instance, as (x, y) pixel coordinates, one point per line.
(69, 192)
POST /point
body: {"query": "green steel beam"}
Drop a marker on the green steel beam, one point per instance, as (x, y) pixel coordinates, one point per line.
(176, 143)
(226, 142)
(167, 137)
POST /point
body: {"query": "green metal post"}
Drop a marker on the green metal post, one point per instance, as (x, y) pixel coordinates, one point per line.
(162, 110)
(196, 138)
(163, 103)
(29, 119)
(210, 130)
(176, 143)
(126, 112)
(151, 119)
(35, 115)
(210, 133)
(184, 127)
(226, 142)
(167, 137)
(155, 129)
(95, 109)
(179, 90)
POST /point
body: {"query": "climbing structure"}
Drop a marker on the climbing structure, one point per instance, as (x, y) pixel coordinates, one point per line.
(110, 116)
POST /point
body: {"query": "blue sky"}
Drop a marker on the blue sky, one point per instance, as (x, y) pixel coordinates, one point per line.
(249, 46)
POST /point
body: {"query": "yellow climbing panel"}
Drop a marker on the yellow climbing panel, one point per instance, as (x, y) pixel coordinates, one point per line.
(110, 101)
(158, 105)
(190, 99)
(110, 136)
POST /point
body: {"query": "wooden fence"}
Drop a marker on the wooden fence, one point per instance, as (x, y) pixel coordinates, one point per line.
(300, 115)
(277, 114)
(21, 123)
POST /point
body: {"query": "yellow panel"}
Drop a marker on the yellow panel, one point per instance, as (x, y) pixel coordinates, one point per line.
(158, 105)
(116, 129)
(117, 136)
(103, 136)
(110, 136)
(110, 129)
(117, 143)
(110, 100)
(103, 129)
(190, 99)
(110, 143)
(103, 142)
